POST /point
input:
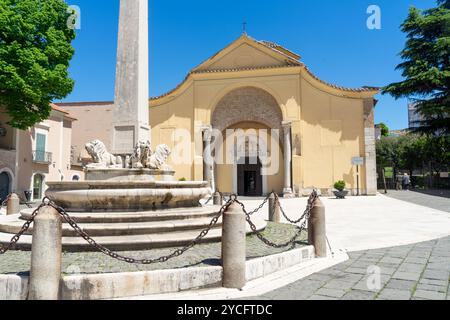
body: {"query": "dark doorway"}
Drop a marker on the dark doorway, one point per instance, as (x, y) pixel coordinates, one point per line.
(4, 185)
(249, 179)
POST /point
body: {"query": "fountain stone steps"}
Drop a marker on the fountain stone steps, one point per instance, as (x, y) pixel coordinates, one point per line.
(132, 242)
(14, 225)
(138, 216)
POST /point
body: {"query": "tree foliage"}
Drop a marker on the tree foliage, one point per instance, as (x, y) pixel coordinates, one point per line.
(426, 67)
(35, 51)
(414, 152)
(384, 129)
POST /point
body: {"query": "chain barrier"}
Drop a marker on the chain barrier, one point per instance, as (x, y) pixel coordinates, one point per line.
(208, 201)
(329, 246)
(25, 227)
(224, 198)
(311, 200)
(5, 202)
(233, 199)
(300, 228)
(119, 257)
(260, 206)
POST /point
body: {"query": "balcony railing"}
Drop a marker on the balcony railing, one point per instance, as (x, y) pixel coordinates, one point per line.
(42, 157)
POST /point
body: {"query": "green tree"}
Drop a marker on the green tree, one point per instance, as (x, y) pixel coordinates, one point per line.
(411, 150)
(426, 66)
(387, 152)
(35, 51)
(384, 129)
(437, 153)
(403, 153)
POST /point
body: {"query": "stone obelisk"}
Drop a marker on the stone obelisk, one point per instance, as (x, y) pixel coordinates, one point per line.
(131, 112)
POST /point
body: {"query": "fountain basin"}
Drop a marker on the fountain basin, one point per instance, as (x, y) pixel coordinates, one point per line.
(119, 174)
(113, 196)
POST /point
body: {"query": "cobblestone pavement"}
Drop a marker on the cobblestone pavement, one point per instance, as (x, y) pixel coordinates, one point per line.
(201, 255)
(413, 272)
(438, 200)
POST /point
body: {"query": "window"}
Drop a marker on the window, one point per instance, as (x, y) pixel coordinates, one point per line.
(41, 140)
(37, 186)
(76, 178)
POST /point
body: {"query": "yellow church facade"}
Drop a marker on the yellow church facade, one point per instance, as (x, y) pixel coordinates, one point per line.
(254, 86)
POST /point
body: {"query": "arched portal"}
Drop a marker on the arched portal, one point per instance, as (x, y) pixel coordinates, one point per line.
(5, 185)
(38, 186)
(256, 113)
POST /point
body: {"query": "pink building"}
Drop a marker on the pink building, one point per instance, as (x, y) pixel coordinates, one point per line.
(29, 158)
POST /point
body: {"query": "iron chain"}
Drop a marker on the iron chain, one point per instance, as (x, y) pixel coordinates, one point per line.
(119, 257)
(314, 196)
(260, 206)
(233, 199)
(311, 200)
(5, 202)
(25, 227)
(208, 201)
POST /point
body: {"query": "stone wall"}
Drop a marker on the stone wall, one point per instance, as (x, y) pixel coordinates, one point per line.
(370, 148)
(247, 104)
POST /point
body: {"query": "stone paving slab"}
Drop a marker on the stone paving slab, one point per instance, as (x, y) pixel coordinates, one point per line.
(202, 255)
(421, 280)
(436, 200)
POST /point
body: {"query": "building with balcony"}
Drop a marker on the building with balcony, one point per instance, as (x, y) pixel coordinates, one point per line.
(29, 158)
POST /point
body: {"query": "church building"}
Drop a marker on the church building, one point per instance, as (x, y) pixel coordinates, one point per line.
(253, 87)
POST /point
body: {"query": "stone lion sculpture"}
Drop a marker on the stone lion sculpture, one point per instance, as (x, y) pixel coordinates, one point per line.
(159, 158)
(101, 157)
(144, 157)
(141, 155)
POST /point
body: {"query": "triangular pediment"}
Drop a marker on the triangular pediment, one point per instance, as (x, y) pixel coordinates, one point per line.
(248, 53)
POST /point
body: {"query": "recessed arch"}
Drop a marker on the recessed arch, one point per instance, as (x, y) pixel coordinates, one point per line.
(38, 186)
(247, 84)
(247, 103)
(6, 182)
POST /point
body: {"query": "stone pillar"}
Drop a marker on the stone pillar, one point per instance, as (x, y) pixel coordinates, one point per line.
(217, 199)
(317, 229)
(208, 160)
(131, 107)
(45, 271)
(274, 209)
(13, 205)
(287, 191)
(233, 247)
(370, 149)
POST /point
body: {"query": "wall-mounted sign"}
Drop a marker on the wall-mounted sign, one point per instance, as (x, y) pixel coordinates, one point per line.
(358, 161)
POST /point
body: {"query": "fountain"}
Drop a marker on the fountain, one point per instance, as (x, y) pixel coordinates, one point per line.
(128, 205)
(142, 182)
(129, 199)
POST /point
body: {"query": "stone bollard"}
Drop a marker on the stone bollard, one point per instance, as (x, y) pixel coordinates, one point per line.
(233, 247)
(317, 229)
(13, 205)
(217, 199)
(45, 272)
(274, 209)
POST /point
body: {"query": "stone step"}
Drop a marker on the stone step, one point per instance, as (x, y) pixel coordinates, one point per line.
(14, 225)
(131, 242)
(141, 216)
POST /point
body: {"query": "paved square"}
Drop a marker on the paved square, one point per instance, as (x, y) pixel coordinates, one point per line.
(415, 283)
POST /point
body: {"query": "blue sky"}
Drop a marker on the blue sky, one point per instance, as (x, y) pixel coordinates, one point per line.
(330, 35)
